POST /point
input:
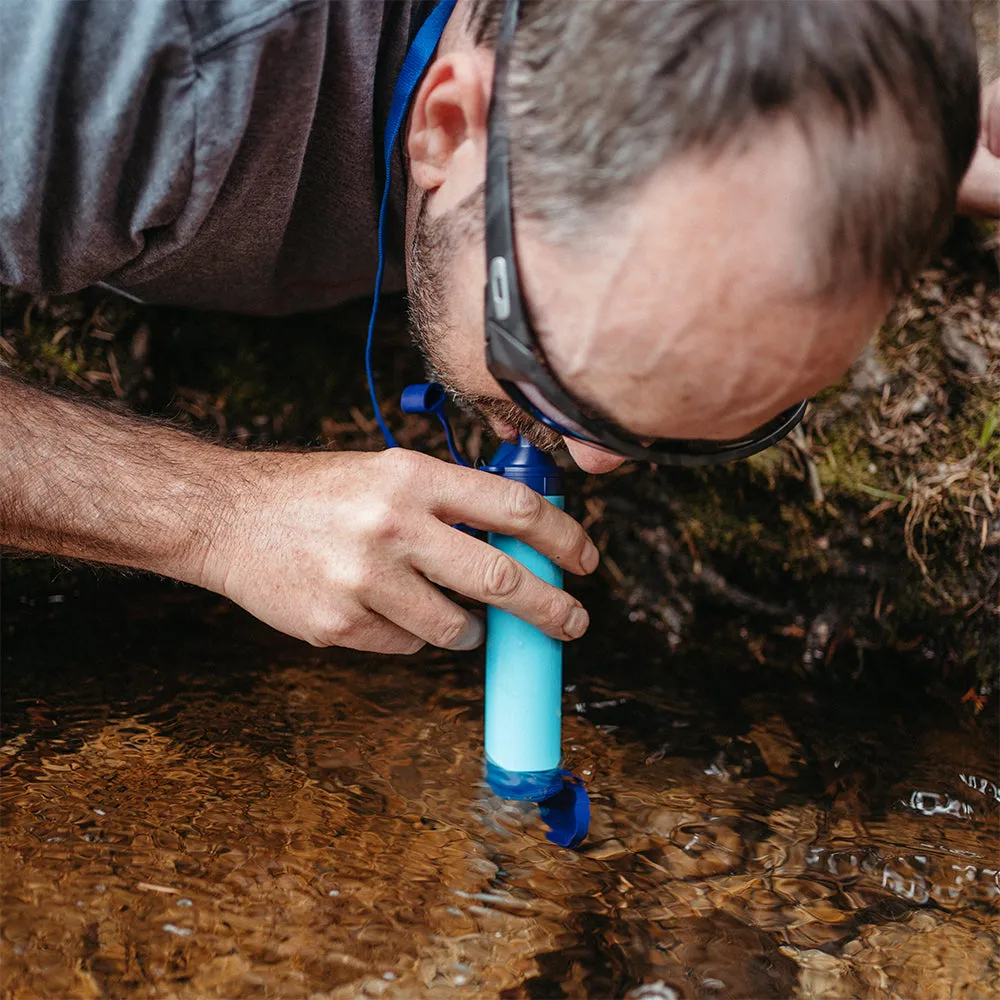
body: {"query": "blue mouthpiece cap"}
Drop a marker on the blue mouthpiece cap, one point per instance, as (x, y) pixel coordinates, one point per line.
(525, 463)
(567, 813)
(424, 397)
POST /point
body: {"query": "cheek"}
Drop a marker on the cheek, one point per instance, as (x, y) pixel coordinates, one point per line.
(459, 351)
(454, 340)
(464, 307)
(463, 340)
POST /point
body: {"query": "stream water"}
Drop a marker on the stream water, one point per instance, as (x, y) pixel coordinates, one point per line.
(195, 806)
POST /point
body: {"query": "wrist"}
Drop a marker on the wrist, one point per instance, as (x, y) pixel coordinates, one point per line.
(244, 502)
(211, 503)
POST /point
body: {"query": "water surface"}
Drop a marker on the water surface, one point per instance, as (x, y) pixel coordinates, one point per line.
(195, 806)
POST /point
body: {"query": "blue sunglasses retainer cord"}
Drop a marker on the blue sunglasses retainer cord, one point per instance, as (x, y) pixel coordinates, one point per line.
(417, 58)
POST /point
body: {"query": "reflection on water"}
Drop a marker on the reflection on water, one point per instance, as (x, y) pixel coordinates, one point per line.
(196, 807)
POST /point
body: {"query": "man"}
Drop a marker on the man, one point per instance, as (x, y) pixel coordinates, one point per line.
(714, 204)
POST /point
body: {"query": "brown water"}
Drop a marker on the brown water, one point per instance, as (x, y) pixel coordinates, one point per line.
(197, 807)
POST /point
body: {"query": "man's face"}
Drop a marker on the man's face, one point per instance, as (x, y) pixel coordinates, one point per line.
(688, 311)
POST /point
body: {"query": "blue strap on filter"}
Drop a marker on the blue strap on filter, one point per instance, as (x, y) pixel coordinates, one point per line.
(417, 58)
(567, 813)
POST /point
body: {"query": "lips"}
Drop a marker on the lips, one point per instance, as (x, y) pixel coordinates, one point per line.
(593, 460)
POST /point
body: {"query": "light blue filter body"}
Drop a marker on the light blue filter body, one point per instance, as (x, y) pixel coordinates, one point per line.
(523, 677)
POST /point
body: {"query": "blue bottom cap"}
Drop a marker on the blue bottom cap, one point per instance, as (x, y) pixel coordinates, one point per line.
(567, 813)
(523, 786)
(562, 799)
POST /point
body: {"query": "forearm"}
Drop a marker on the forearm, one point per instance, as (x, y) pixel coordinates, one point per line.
(77, 480)
(979, 193)
(980, 190)
(335, 548)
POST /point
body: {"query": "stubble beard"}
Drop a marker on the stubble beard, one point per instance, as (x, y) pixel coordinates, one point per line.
(431, 254)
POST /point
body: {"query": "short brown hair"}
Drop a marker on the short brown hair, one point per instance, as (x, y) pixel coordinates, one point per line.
(602, 92)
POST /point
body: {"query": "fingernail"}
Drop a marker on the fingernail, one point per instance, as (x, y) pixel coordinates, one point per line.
(591, 557)
(474, 634)
(576, 624)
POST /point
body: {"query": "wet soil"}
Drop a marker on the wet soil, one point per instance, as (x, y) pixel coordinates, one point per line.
(195, 806)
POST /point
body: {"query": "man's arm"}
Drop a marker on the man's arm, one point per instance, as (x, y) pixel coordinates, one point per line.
(79, 480)
(979, 193)
(334, 548)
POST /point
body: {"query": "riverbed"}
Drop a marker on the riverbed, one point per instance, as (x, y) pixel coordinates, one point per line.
(195, 806)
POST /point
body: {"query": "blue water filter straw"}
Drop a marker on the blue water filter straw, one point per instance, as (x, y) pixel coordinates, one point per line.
(523, 709)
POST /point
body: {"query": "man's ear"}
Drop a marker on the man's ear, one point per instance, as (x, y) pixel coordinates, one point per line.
(449, 110)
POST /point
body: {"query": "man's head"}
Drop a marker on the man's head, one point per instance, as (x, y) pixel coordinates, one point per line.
(714, 201)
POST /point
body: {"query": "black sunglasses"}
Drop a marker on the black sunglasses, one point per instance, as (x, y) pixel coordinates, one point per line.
(513, 354)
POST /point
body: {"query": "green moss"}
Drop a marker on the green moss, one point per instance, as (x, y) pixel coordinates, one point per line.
(68, 363)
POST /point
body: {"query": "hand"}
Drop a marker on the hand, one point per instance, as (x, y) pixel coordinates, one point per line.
(350, 550)
(979, 192)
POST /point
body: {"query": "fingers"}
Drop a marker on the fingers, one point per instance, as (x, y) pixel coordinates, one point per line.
(453, 560)
(468, 566)
(367, 631)
(355, 544)
(421, 610)
(494, 504)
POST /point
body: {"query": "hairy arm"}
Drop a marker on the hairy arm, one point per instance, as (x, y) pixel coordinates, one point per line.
(979, 193)
(335, 548)
(79, 480)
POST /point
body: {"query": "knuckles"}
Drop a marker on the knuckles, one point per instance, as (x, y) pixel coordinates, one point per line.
(523, 504)
(361, 581)
(335, 627)
(447, 633)
(353, 631)
(385, 522)
(501, 578)
(386, 513)
(403, 467)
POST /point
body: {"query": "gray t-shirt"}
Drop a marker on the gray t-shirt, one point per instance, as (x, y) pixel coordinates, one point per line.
(222, 154)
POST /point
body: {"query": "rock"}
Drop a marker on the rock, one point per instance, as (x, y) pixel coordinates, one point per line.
(954, 958)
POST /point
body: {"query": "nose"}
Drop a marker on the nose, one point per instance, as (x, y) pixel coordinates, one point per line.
(591, 459)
